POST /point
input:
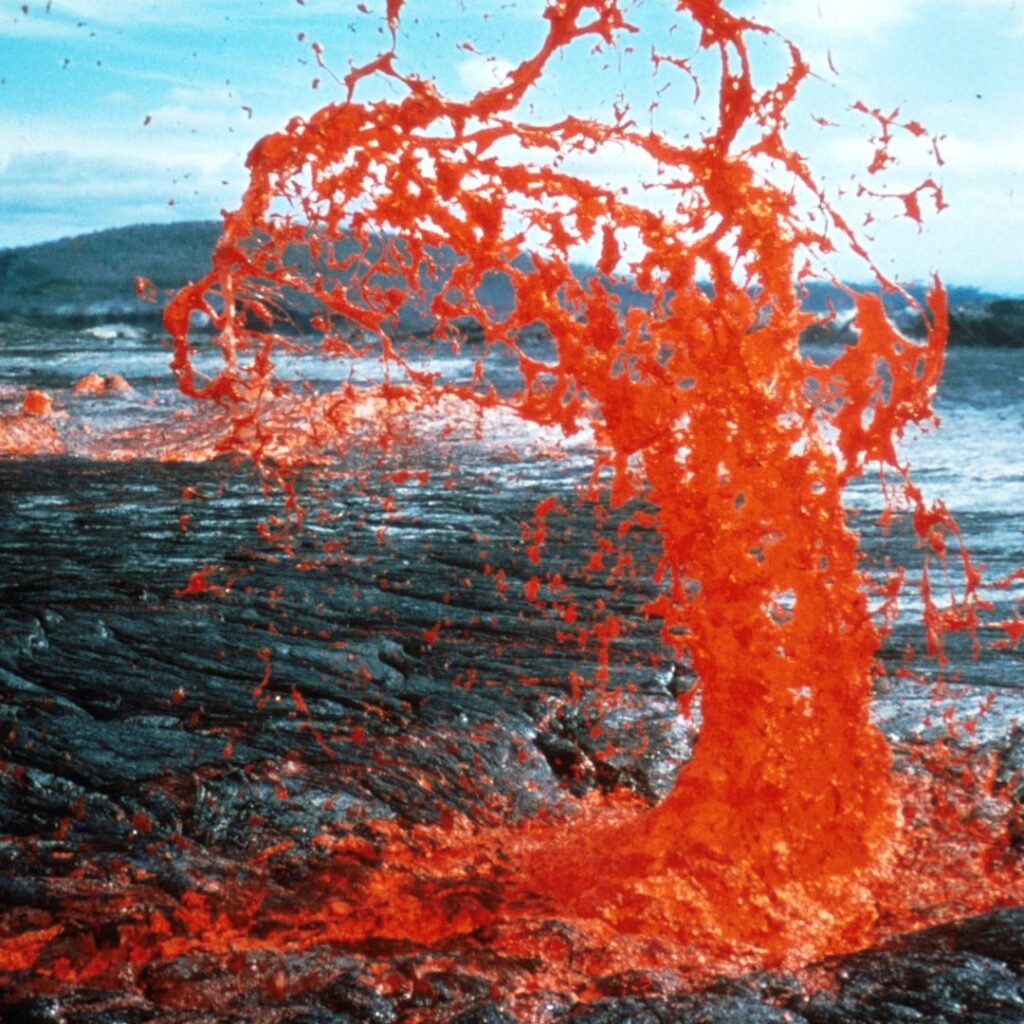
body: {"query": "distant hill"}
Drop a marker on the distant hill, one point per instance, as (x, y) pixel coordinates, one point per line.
(90, 279)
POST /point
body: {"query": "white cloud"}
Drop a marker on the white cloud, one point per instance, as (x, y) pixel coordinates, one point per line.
(68, 19)
(78, 19)
(963, 157)
(843, 21)
(1010, 11)
(62, 19)
(107, 190)
(985, 158)
(134, 12)
(31, 26)
(479, 73)
(837, 19)
(166, 145)
(120, 12)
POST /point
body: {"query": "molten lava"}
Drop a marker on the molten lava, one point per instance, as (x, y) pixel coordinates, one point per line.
(702, 403)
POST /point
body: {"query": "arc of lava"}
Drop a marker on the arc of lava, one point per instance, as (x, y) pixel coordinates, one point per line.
(703, 403)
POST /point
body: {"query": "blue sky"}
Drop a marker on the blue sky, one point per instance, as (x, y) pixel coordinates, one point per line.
(123, 111)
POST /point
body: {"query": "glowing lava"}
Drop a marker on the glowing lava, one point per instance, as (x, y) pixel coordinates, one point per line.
(702, 403)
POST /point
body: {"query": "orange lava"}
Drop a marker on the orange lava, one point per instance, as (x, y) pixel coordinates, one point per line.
(101, 384)
(566, 899)
(703, 404)
(31, 430)
(36, 403)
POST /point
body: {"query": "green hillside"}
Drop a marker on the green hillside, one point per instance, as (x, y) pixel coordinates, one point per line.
(91, 278)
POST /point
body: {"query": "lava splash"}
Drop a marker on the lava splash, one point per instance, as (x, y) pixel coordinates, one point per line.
(700, 401)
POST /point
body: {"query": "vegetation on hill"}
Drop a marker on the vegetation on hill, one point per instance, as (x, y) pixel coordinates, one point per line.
(91, 278)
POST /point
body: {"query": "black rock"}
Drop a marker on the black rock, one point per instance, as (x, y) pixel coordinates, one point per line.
(484, 1013)
(618, 1011)
(43, 1010)
(921, 983)
(361, 1003)
(734, 1010)
(317, 1015)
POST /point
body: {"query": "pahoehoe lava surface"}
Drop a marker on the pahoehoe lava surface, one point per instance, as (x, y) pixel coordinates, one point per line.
(129, 720)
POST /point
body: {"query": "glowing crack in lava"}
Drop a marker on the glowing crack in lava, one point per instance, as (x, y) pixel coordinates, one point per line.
(709, 425)
(701, 402)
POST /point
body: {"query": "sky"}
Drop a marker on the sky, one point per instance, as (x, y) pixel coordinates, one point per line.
(116, 112)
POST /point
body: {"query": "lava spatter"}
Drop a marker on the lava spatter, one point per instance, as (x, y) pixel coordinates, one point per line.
(702, 403)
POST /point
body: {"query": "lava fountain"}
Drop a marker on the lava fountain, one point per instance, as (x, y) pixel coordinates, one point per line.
(702, 402)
